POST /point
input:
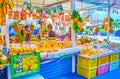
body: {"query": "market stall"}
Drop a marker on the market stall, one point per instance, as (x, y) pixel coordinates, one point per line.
(52, 38)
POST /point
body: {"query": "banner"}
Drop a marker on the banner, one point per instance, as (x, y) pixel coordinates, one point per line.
(35, 9)
(25, 64)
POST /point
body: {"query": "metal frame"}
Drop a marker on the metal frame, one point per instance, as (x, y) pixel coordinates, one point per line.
(97, 2)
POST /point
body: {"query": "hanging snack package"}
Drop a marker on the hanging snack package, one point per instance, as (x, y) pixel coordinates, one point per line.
(23, 15)
(10, 14)
(16, 15)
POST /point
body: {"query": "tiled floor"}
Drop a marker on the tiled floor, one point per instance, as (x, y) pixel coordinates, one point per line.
(110, 75)
(33, 76)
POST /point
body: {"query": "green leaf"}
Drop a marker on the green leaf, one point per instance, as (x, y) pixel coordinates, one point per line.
(80, 19)
(111, 19)
(74, 14)
(76, 30)
(75, 27)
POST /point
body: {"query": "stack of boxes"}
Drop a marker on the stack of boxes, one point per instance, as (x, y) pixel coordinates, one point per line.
(114, 61)
(90, 67)
(103, 65)
(86, 67)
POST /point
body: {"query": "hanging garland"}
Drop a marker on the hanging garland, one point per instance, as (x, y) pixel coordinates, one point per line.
(105, 24)
(27, 6)
(77, 25)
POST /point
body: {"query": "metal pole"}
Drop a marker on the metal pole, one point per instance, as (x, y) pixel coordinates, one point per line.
(73, 37)
(7, 33)
(72, 31)
(7, 43)
(108, 21)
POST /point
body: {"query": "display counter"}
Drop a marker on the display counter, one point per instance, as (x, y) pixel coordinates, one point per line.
(109, 52)
(60, 53)
(92, 66)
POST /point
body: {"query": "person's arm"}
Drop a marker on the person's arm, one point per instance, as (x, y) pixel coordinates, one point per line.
(30, 33)
(17, 36)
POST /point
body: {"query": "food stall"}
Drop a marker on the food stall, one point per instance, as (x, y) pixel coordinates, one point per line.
(48, 39)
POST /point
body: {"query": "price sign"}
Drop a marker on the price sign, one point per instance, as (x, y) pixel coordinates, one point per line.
(25, 64)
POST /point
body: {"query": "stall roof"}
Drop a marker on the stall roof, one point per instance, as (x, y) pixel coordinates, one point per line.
(40, 3)
(104, 3)
(49, 3)
(80, 4)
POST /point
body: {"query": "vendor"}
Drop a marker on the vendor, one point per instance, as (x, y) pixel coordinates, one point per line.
(21, 35)
(39, 34)
(29, 33)
(51, 33)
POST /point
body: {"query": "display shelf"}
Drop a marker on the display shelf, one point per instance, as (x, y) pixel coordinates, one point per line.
(61, 53)
(74, 50)
(100, 55)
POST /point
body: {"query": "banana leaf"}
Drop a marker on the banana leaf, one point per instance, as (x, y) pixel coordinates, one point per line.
(74, 14)
(80, 19)
(75, 27)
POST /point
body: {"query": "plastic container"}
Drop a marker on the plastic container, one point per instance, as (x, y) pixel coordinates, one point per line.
(114, 65)
(103, 60)
(87, 62)
(102, 69)
(114, 57)
(87, 73)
